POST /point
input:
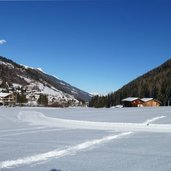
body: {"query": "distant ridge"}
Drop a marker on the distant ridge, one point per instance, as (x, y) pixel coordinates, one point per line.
(155, 83)
(33, 82)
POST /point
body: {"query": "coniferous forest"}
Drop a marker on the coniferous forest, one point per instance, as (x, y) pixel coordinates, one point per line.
(155, 84)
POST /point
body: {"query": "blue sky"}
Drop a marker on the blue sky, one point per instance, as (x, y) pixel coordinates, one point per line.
(97, 46)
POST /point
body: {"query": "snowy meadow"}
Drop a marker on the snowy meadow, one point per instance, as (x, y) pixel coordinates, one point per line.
(81, 139)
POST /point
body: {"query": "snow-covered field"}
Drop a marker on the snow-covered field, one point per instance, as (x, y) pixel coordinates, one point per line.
(85, 139)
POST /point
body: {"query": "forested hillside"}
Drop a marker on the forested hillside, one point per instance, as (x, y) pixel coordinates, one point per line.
(156, 84)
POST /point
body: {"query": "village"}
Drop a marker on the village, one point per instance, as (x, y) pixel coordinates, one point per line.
(10, 99)
(34, 94)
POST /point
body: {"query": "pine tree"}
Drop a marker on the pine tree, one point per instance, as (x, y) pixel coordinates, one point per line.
(21, 98)
(43, 100)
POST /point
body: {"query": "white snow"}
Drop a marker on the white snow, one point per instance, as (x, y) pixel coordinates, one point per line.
(146, 99)
(39, 139)
(37, 118)
(46, 90)
(60, 153)
(56, 77)
(28, 80)
(27, 67)
(130, 99)
(4, 94)
(74, 92)
(61, 83)
(40, 69)
(16, 85)
(7, 64)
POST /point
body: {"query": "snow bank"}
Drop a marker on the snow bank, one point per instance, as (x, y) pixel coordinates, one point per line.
(37, 118)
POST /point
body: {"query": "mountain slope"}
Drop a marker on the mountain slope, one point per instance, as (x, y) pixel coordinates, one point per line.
(13, 75)
(155, 83)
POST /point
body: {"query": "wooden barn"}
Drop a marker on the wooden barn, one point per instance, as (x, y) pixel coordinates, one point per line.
(7, 99)
(132, 102)
(150, 102)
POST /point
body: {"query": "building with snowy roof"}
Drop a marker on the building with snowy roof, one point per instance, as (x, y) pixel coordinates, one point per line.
(7, 99)
(150, 102)
(137, 102)
(132, 102)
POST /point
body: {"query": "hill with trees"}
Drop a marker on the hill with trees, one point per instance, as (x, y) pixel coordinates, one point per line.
(154, 84)
(33, 86)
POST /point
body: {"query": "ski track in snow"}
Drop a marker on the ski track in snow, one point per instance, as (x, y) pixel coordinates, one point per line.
(60, 153)
(37, 118)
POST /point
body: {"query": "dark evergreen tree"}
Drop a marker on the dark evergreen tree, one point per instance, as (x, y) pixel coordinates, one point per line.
(43, 100)
(21, 98)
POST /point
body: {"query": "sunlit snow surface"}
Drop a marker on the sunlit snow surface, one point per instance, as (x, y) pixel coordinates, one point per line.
(85, 139)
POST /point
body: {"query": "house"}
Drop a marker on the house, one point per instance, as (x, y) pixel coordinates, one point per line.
(137, 102)
(132, 102)
(150, 102)
(7, 99)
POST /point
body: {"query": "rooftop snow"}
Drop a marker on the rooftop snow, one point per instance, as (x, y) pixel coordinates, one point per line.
(130, 99)
(4, 94)
(146, 99)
